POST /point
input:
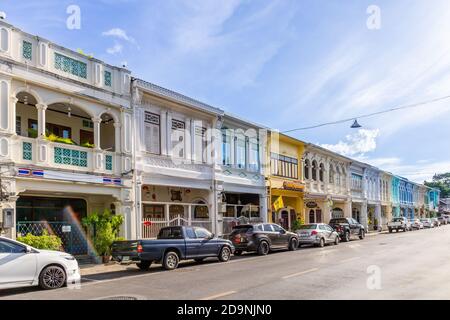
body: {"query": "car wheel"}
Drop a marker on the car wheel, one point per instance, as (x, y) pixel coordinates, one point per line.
(347, 237)
(171, 260)
(293, 244)
(144, 265)
(238, 253)
(263, 248)
(362, 234)
(404, 229)
(322, 243)
(336, 241)
(52, 277)
(225, 254)
(390, 230)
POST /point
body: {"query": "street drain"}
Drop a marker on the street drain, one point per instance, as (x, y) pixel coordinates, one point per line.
(123, 297)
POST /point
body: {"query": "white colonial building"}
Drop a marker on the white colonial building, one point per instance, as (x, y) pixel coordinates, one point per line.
(175, 162)
(327, 182)
(239, 172)
(65, 138)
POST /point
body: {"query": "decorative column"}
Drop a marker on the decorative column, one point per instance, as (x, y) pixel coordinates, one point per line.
(41, 108)
(13, 104)
(97, 153)
(42, 143)
(363, 215)
(117, 146)
(378, 216)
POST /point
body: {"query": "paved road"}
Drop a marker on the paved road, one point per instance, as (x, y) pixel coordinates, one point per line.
(413, 265)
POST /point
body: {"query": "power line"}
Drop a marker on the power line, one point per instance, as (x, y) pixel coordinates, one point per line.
(409, 106)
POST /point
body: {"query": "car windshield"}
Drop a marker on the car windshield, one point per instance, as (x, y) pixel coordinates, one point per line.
(308, 226)
(341, 220)
(241, 229)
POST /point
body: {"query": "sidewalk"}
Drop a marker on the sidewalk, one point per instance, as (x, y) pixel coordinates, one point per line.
(91, 269)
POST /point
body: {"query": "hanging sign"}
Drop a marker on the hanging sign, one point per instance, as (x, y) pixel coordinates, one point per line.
(66, 229)
(311, 204)
(287, 185)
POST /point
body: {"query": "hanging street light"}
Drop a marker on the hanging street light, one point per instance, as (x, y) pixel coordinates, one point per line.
(356, 125)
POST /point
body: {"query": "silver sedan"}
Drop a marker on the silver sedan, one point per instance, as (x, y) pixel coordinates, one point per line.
(318, 234)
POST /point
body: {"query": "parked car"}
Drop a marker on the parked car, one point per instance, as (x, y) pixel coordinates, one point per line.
(22, 265)
(442, 220)
(172, 245)
(348, 228)
(427, 223)
(446, 218)
(435, 222)
(399, 223)
(262, 238)
(318, 234)
(416, 224)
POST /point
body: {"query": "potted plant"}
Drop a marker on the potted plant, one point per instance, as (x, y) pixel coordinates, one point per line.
(104, 230)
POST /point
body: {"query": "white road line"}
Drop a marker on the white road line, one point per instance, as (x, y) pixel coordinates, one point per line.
(349, 259)
(220, 295)
(300, 273)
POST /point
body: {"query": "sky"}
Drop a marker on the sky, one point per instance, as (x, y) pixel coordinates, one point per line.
(285, 64)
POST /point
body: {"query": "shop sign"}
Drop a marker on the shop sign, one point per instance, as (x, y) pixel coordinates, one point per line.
(66, 229)
(293, 186)
(311, 204)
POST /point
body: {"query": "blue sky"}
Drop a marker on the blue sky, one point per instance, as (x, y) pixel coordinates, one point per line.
(285, 64)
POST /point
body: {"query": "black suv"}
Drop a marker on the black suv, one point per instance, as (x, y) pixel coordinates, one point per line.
(262, 238)
(348, 228)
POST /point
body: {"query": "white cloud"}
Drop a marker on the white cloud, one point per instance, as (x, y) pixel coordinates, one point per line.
(117, 48)
(118, 33)
(356, 144)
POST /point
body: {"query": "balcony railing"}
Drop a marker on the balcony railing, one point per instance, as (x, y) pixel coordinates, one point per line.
(65, 156)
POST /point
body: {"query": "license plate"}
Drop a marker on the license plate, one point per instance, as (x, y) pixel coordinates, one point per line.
(125, 259)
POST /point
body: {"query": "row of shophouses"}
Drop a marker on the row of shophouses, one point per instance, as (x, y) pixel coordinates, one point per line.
(79, 136)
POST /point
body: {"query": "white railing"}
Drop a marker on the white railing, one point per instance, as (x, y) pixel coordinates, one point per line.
(63, 156)
(151, 226)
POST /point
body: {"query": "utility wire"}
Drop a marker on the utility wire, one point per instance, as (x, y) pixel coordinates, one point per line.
(409, 106)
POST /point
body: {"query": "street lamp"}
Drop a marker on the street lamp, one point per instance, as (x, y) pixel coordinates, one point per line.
(356, 125)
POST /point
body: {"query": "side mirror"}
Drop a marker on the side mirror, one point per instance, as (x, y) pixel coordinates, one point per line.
(212, 236)
(282, 231)
(28, 250)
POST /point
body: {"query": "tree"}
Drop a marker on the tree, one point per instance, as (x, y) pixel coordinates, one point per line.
(441, 182)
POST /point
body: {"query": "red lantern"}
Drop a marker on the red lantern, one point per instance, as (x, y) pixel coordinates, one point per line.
(148, 223)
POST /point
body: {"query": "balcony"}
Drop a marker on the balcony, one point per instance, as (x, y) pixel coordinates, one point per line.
(65, 136)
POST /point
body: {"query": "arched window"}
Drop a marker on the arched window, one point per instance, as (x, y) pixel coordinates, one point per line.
(321, 172)
(314, 170)
(307, 165)
(331, 175)
(312, 216)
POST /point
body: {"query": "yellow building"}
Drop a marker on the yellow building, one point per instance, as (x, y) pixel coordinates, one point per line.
(285, 179)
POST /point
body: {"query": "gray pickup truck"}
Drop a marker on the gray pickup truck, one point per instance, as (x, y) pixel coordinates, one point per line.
(399, 223)
(172, 245)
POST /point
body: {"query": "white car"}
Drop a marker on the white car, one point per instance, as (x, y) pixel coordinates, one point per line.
(427, 223)
(22, 265)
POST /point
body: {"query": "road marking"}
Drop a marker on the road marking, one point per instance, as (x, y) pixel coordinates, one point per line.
(220, 295)
(349, 259)
(300, 273)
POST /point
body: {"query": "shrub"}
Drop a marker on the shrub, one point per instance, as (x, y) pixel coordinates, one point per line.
(296, 225)
(44, 241)
(104, 229)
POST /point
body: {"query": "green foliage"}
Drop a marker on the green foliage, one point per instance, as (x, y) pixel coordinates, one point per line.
(44, 241)
(32, 133)
(441, 182)
(296, 225)
(104, 229)
(86, 144)
(54, 138)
